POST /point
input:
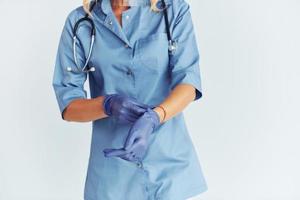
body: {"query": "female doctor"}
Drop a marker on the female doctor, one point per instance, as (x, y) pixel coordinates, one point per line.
(141, 148)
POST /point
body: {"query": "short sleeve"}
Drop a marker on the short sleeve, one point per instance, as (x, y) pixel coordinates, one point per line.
(67, 85)
(184, 62)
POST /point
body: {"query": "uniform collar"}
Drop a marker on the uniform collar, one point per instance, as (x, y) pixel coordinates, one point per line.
(107, 18)
(106, 6)
(102, 6)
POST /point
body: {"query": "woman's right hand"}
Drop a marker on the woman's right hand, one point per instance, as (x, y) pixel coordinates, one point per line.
(124, 108)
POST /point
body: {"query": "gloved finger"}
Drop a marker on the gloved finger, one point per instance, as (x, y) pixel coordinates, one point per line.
(138, 110)
(131, 119)
(132, 111)
(129, 111)
(130, 140)
(108, 150)
(114, 152)
(126, 119)
(139, 148)
(129, 157)
(131, 115)
(138, 104)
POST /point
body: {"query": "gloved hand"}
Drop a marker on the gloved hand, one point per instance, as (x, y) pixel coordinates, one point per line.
(137, 140)
(124, 108)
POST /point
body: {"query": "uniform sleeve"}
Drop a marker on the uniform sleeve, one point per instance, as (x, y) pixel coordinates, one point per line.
(184, 62)
(68, 86)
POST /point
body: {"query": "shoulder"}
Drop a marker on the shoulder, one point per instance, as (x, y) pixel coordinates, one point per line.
(75, 14)
(177, 8)
(179, 5)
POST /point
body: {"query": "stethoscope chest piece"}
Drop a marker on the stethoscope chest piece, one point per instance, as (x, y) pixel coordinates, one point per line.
(172, 47)
(91, 69)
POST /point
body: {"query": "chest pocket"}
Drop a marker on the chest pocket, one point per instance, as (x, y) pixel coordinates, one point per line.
(152, 52)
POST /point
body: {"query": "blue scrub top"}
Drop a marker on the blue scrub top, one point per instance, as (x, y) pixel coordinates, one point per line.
(134, 60)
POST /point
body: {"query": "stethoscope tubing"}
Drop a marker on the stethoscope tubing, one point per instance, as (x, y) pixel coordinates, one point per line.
(89, 54)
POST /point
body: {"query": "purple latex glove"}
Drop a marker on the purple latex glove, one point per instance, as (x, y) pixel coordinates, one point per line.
(137, 140)
(125, 109)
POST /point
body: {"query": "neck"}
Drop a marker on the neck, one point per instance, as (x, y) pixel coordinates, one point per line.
(119, 4)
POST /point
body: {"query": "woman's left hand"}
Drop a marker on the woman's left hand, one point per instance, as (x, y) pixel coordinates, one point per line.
(137, 140)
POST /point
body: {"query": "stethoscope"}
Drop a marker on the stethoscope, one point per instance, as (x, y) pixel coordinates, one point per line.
(85, 69)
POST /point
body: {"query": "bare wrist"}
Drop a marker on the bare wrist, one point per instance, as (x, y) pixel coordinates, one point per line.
(161, 113)
(100, 100)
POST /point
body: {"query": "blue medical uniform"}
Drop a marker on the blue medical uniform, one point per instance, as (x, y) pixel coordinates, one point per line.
(134, 60)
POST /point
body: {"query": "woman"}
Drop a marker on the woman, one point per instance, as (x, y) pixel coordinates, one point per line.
(140, 147)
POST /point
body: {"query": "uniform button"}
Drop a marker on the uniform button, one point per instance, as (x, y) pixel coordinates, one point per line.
(139, 164)
(127, 17)
(129, 72)
(126, 45)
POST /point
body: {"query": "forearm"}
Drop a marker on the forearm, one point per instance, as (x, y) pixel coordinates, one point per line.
(179, 98)
(85, 110)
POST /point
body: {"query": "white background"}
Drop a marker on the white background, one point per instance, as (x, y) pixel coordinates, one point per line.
(245, 128)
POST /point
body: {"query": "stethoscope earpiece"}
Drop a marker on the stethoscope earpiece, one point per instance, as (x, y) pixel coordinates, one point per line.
(172, 46)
